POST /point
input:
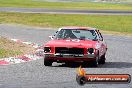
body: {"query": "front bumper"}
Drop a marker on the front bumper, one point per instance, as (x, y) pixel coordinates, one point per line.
(70, 57)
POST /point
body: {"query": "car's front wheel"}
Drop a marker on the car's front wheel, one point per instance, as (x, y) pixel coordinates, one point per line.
(102, 59)
(95, 62)
(47, 62)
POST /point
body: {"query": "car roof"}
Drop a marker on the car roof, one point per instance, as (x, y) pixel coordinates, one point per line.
(78, 27)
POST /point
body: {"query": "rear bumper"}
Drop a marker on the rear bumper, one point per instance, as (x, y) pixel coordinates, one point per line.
(70, 57)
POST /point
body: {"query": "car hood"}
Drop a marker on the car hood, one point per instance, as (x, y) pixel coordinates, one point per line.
(71, 43)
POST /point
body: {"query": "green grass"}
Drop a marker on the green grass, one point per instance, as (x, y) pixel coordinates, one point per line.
(64, 5)
(7, 53)
(103, 22)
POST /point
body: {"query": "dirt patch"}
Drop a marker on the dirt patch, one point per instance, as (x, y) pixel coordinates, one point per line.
(10, 48)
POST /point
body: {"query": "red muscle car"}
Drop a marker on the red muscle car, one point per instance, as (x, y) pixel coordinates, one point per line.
(75, 44)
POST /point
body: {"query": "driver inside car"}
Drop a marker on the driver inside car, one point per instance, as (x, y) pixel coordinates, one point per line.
(69, 34)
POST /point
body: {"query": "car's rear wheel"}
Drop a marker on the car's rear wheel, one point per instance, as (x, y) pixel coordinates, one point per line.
(102, 59)
(47, 62)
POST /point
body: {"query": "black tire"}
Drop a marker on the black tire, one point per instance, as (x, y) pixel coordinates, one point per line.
(95, 62)
(47, 62)
(102, 59)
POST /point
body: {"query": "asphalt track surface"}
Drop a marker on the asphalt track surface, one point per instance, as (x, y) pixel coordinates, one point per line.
(62, 11)
(35, 75)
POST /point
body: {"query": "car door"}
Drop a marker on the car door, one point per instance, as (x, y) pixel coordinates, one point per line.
(103, 47)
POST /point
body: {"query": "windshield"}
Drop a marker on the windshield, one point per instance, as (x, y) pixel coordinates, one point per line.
(76, 34)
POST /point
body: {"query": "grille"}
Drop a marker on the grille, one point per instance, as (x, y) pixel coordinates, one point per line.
(65, 50)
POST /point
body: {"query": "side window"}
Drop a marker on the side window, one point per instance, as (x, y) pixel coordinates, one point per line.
(100, 36)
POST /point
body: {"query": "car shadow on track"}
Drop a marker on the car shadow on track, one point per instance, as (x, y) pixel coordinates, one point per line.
(106, 65)
(74, 65)
(70, 65)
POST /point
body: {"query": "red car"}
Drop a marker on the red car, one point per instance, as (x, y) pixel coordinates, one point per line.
(75, 44)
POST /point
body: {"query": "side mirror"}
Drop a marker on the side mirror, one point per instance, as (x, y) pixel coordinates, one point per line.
(51, 37)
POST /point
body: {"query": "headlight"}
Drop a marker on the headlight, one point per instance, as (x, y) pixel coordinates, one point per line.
(47, 49)
(90, 50)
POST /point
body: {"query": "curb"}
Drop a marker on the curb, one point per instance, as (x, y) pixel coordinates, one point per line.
(38, 54)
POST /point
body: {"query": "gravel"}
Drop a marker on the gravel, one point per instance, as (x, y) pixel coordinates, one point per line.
(34, 74)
